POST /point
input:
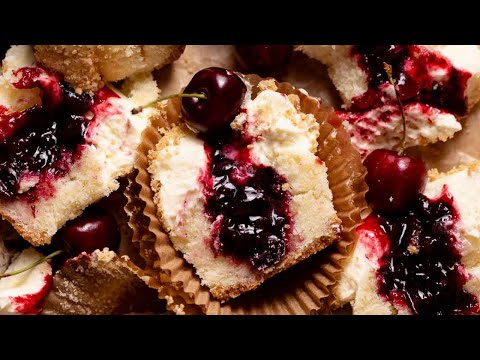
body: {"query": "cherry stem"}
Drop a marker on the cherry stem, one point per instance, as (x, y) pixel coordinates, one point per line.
(38, 262)
(140, 108)
(388, 70)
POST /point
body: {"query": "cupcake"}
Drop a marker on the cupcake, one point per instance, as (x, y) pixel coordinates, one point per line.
(63, 145)
(239, 184)
(67, 141)
(437, 84)
(423, 261)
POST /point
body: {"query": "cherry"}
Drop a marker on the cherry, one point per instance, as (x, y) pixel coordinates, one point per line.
(264, 60)
(393, 180)
(224, 92)
(94, 229)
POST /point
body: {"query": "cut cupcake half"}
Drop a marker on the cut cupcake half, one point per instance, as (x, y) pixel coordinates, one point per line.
(60, 150)
(437, 84)
(248, 204)
(423, 262)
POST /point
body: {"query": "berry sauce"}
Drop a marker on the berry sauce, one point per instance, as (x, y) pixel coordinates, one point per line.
(247, 204)
(41, 143)
(32, 304)
(420, 268)
(81, 258)
(422, 76)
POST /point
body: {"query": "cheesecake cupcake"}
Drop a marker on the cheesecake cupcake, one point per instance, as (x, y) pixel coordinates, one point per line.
(64, 145)
(423, 261)
(239, 180)
(438, 85)
(67, 140)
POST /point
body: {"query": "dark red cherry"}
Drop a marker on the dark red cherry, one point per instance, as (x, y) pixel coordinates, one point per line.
(224, 92)
(393, 180)
(264, 60)
(94, 229)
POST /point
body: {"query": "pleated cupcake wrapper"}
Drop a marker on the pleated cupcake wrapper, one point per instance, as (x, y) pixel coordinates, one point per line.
(305, 288)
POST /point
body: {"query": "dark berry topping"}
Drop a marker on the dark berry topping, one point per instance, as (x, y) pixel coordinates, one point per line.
(422, 268)
(248, 204)
(413, 68)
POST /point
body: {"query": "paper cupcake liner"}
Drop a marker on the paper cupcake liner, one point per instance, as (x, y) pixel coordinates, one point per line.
(305, 288)
(114, 204)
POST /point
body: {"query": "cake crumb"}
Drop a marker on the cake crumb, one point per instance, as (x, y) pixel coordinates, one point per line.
(268, 84)
(169, 299)
(434, 174)
(412, 249)
(179, 309)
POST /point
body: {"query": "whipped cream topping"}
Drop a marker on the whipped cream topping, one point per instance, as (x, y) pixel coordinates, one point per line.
(12, 98)
(461, 184)
(272, 119)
